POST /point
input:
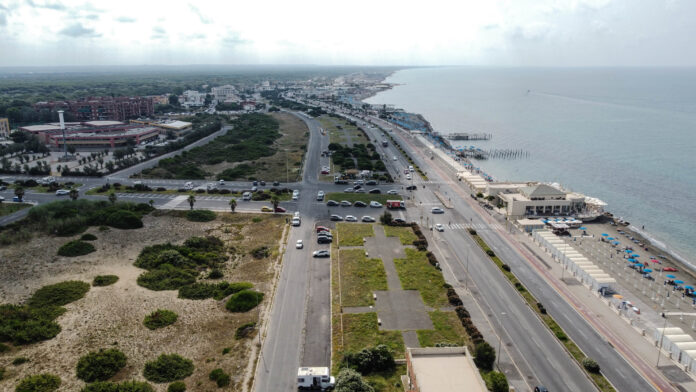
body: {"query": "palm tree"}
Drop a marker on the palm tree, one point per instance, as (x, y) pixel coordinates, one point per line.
(233, 204)
(151, 203)
(74, 194)
(275, 200)
(192, 200)
(112, 197)
(19, 192)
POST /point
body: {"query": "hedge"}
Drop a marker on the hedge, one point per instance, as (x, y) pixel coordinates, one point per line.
(58, 294)
(200, 215)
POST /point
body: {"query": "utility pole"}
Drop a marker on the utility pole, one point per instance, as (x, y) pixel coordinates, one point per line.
(662, 335)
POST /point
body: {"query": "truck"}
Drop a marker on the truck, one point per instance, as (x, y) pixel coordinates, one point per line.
(316, 378)
(395, 204)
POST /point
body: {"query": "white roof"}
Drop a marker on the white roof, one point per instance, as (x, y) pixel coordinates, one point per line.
(175, 124)
(313, 371)
(102, 123)
(39, 128)
(679, 338)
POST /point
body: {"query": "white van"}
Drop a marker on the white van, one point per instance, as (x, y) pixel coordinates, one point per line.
(246, 196)
(295, 194)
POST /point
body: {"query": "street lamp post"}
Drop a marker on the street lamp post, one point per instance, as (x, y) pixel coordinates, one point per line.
(500, 339)
(662, 335)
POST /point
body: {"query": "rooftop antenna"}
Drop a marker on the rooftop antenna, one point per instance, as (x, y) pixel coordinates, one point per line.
(62, 128)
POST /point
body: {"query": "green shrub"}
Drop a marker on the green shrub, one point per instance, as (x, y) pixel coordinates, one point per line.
(590, 365)
(4, 348)
(2, 373)
(123, 219)
(215, 273)
(226, 350)
(76, 248)
(88, 237)
(200, 215)
(207, 290)
(244, 301)
(126, 386)
(104, 280)
(177, 386)
(58, 294)
(168, 367)
(100, 365)
(490, 253)
(160, 318)
(166, 277)
(19, 360)
(375, 359)
(221, 378)
(496, 382)
(348, 380)
(39, 383)
(25, 324)
(485, 356)
(261, 252)
(244, 330)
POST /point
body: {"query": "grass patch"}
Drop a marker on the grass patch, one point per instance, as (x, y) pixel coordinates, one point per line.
(360, 276)
(100, 365)
(405, 233)
(58, 294)
(126, 386)
(76, 248)
(352, 234)
(160, 318)
(11, 208)
(599, 380)
(361, 330)
(242, 332)
(448, 329)
(39, 383)
(415, 273)
(364, 197)
(104, 280)
(244, 301)
(168, 367)
(200, 215)
(177, 386)
(387, 381)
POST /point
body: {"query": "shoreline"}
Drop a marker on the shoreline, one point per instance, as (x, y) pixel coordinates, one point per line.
(643, 236)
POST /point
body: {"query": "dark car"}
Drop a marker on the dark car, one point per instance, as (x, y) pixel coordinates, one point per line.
(255, 183)
(398, 220)
(411, 188)
(357, 186)
(540, 389)
(374, 191)
(324, 240)
(343, 182)
(359, 204)
(371, 182)
(280, 209)
(332, 203)
(263, 183)
(276, 183)
(336, 218)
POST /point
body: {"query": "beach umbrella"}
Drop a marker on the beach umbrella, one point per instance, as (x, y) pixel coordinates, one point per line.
(582, 228)
(605, 235)
(610, 238)
(616, 243)
(628, 251)
(655, 261)
(635, 255)
(670, 276)
(678, 281)
(647, 270)
(632, 260)
(689, 287)
(618, 296)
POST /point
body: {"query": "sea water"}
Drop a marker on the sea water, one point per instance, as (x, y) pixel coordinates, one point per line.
(624, 135)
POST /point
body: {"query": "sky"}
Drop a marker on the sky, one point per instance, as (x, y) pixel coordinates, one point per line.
(356, 32)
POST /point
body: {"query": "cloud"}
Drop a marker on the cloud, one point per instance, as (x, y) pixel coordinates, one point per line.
(234, 39)
(125, 19)
(3, 19)
(158, 33)
(196, 36)
(77, 30)
(51, 5)
(204, 19)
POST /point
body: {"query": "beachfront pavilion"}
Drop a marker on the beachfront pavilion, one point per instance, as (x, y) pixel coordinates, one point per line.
(541, 200)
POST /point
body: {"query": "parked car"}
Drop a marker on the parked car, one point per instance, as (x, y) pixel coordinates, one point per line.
(280, 209)
(299, 244)
(398, 220)
(351, 218)
(346, 203)
(262, 183)
(375, 191)
(336, 218)
(371, 182)
(322, 228)
(359, 191)
(368, 218)
(392, 192)
(266, 209)
(359, 204)
(321, 253)
(254, 188)
(320, 195)
(437, 210)
(255, 183)
(411, 188)
(439, 227)
(276, 183)
(670, 269)
(332, 203)
(375, 204)
(62, 192)
(324, 234)
(349, 190)
(356, 187)
(324, 240)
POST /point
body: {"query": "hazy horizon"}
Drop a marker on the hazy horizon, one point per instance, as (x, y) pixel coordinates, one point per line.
(543, 33)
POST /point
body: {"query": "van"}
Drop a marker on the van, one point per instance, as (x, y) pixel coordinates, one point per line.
(295, 194)
(246, 196)
(320, 196)
(296, 221)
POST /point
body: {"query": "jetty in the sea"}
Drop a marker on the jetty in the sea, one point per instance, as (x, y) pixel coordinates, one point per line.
(468, 136)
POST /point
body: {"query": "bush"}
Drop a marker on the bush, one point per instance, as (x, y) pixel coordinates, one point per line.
(218, 291)
(541, 307)
(88, 237)
(104, 280)
(506, 267)
(2, 373)
(126, 386)
(472, 231)
(490, 253)
(76, 248)
(39, 383)
(261, 252)
(124, 220)
(349, 380)
(101, 365)
(215, 273)
(369, 360)
(168, 367)
(590, 365)
(20, 360)
(4, 348)
(244, 331)
(200, 215)
(177, 386)
(485, 356)
(58, 294)
(25, 324)
(160, 318)
(166, 277)
(244, 301)
(497, 382)
(221, 378)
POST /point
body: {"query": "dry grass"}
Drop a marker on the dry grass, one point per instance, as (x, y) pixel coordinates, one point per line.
(361, 330)
(360, 277)
(405, 234)
(352, 234)
(9, 208)
(448, 329)
(415, 273)
(112, 316)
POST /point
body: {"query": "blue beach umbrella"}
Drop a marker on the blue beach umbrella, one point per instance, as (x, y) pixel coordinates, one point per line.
(678, 281)
(647, 270)
(582, 228)
(605, 235)
(670, 276)
(635, 255)
(632, 260)
(689, 287)
(610, 238)
(616, 242)
(628, 251)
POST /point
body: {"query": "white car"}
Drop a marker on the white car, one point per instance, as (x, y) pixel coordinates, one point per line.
(349, 190)
(375, 204)
(367, 218)
(351, 218)
(221, 182)
(62, 192)
(360, 191)
(439, 227)
(408, 176)
(437, 210)
(299, 244)
(394, 158)
(392, 192)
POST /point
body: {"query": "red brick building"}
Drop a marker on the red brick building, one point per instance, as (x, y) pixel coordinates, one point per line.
(103, 108)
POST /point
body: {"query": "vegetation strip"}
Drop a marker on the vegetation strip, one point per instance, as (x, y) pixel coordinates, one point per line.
(587, 364)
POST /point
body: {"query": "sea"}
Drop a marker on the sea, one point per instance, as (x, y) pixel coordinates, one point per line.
(624, 135)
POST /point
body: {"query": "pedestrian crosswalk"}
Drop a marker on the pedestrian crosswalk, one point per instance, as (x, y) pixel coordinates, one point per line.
(166, 196)
(475, 226)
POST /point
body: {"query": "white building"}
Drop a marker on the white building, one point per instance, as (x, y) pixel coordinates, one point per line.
(226, 93)
(541, 200)
(193, 98)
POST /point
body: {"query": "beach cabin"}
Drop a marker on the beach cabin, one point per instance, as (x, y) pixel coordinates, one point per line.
(679, 347)
(688, 359)
(669, 340)
(659, 332)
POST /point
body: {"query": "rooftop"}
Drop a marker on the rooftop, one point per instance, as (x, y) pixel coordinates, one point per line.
(445, 369)
(542, 190)
(102, 123)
